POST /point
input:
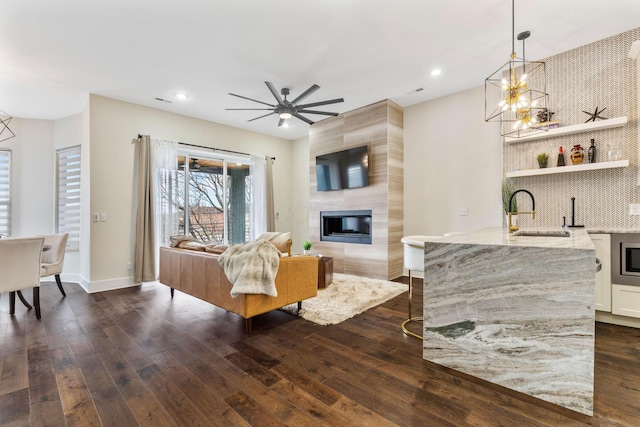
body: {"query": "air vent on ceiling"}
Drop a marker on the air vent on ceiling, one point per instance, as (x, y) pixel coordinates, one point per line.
(164, 100)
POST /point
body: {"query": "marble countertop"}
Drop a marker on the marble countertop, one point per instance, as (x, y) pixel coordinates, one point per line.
(578, 239)
(610, 230)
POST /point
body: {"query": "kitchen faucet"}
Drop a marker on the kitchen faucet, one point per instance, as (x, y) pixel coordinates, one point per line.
(513, 228)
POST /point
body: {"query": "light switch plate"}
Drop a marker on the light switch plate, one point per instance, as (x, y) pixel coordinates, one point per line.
(634, 209)
(463, 211)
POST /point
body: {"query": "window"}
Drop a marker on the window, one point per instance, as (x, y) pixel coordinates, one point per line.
(212, 197)
(68, 195)
(5, 192)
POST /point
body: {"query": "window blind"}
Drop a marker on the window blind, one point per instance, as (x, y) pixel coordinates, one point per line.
(68, 196)
(5, 192)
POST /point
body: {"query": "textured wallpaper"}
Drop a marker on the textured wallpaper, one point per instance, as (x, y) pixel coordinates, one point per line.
(599, 74)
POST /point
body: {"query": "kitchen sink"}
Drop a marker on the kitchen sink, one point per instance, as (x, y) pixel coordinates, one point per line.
(543, 233)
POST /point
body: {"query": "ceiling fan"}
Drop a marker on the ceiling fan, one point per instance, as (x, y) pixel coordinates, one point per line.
(286, 109)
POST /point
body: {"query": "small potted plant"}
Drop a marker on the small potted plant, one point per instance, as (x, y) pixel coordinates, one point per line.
(306, 245)
(508, 187)
(543, 158)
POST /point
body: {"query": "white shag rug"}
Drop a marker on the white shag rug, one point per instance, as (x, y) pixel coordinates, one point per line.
(346, 297)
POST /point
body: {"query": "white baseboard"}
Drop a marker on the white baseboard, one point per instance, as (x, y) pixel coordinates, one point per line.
(111, 284)
(602, 316)
(96, 286)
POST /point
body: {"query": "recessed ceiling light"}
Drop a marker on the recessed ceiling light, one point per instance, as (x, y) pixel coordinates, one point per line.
(436, 72)
(182, 96)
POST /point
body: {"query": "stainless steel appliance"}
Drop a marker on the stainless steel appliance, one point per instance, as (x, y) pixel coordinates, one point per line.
(625, 259)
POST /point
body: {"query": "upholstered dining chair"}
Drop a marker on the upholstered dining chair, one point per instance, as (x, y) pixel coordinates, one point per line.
(53, 259)
(20, 268)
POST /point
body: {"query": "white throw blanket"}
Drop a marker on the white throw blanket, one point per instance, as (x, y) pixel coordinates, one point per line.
(251, 267)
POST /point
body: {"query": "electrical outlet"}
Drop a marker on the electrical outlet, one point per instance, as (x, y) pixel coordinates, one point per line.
(634, 209)
(463, 211)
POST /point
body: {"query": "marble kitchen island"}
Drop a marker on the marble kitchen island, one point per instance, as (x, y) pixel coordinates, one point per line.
(517, 311)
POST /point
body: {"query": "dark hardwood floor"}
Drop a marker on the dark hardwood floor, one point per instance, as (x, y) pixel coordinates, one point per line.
(136, 357)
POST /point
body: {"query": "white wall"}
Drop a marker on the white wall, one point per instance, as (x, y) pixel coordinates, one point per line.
(452, 160)
(114, 125)
(300, 193)
(32, 177)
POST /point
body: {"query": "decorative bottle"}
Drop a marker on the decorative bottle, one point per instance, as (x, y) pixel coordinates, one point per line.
(577, 154)
(560, 157)
(592, 152)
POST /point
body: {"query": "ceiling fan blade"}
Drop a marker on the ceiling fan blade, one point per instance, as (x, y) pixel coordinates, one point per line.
(306, 93)
(324, 113)
(250, 99)
(249, 109)
(315, 104)
(304, 119)
(280, 122)
(261, 117)
(274, 92)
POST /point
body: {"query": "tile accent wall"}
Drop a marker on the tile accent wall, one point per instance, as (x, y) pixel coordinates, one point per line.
(380, 127)
(599, 74)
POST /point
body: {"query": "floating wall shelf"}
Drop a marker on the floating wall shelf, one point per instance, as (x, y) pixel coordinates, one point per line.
(567, 130)
(566, 169)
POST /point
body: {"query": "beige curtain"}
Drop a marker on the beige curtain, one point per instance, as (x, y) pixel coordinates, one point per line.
(271, 216)
(145, 268)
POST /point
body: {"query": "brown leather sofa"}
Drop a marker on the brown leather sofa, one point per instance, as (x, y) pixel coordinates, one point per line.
(199, 274)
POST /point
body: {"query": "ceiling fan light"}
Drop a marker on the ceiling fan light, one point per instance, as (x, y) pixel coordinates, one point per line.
(285, 115)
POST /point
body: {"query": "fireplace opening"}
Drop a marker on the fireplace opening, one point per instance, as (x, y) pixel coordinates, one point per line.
(346, 226)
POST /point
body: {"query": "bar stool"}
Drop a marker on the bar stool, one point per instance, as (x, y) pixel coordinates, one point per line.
(413, 261)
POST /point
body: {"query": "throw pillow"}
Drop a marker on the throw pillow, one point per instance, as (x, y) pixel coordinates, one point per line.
(191, 245)
(281, 240)
(176, 239)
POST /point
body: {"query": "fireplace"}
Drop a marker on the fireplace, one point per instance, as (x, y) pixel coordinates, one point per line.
(346, 226)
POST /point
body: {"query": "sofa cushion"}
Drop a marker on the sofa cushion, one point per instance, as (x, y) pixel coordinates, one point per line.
(281, 240)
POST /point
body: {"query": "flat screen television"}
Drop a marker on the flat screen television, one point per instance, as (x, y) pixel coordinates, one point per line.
(343, 169)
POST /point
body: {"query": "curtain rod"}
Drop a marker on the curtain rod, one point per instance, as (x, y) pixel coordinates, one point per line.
(212, 148)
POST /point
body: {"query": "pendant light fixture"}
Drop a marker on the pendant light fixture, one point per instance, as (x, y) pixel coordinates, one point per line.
(516, 92)
(5, 132)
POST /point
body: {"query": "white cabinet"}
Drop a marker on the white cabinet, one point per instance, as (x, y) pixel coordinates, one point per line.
(626, 300)
(602, 242)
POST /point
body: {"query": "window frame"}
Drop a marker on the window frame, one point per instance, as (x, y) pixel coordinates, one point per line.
(6, 153)
(72, 224)
(225, 159)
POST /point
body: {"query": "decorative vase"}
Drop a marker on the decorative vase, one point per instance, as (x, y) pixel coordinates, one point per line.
(577, 154)
(592, 152)
(306, 251)
(542, 164)
(560, 157)
(614, 151)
